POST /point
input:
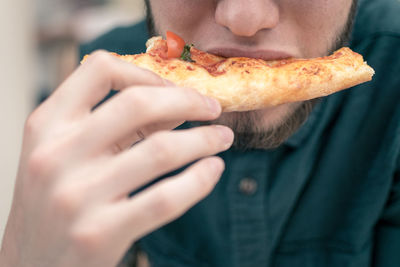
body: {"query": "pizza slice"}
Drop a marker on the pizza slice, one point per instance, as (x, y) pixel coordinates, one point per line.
(242, 84)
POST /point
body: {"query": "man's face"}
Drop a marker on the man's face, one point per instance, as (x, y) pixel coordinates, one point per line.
(267, 29)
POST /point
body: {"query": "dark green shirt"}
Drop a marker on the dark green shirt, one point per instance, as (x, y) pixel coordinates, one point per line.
(329, 196)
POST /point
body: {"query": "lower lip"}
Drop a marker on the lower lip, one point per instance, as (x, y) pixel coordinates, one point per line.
(262, 54)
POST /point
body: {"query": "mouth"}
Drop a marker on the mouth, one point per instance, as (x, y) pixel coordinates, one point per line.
(267, 55)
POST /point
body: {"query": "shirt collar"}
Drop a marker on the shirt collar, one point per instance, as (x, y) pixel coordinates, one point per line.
(307, 128)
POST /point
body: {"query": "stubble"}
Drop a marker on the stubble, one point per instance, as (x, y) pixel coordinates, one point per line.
(249, 131)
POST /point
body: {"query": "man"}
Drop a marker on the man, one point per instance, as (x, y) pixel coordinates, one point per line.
(301, 187)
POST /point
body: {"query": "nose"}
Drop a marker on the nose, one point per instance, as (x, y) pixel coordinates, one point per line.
(247, 17)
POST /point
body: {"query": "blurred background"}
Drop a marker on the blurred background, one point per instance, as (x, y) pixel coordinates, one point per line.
(38, 50)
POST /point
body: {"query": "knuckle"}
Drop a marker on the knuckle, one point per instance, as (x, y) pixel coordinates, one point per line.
(67, 199)
(32, 123)
(133, 101)
(100, 58)
(163, 206)
(136, 98)
(41, 162)
(88, 240)
(192, 97)
(102, 63)
(160, 149)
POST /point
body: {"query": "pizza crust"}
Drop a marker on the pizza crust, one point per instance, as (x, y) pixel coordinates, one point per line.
(242, 84)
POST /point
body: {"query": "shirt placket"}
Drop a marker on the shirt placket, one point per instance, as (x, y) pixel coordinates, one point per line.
(248, 209)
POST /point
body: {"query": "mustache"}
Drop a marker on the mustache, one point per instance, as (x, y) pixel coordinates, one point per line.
(246, 126)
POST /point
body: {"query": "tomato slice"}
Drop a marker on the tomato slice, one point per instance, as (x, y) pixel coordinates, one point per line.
(175, 45)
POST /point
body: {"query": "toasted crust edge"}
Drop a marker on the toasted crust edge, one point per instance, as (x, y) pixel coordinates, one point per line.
(256, 84)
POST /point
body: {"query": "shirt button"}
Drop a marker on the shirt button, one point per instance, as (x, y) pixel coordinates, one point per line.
(248, 186)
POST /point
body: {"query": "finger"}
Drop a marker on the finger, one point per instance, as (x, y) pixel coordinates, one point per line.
(167, 199)
(161, 153)
(139, 107)
(142, 133)
(94, 79)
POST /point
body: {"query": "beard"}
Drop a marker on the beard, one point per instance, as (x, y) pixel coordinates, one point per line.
(250, 133)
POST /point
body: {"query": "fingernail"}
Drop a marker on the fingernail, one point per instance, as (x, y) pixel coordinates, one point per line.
(213, 105)
(218, 166)
(226, 135)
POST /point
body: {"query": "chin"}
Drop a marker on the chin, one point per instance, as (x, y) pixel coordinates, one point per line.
(258, 120)
(267, 128)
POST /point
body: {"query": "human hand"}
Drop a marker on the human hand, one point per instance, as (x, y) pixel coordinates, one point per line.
(77, 167)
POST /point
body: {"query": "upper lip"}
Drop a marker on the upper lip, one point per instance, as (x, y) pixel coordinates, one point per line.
(241, 52)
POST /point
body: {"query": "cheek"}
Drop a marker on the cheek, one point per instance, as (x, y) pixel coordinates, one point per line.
(180, 16)
(318, 23)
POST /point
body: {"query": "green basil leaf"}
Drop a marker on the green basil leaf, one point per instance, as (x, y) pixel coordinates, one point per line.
(186, 56)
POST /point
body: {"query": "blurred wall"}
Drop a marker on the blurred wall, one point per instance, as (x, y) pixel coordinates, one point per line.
(17, 53)
(37, 51)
